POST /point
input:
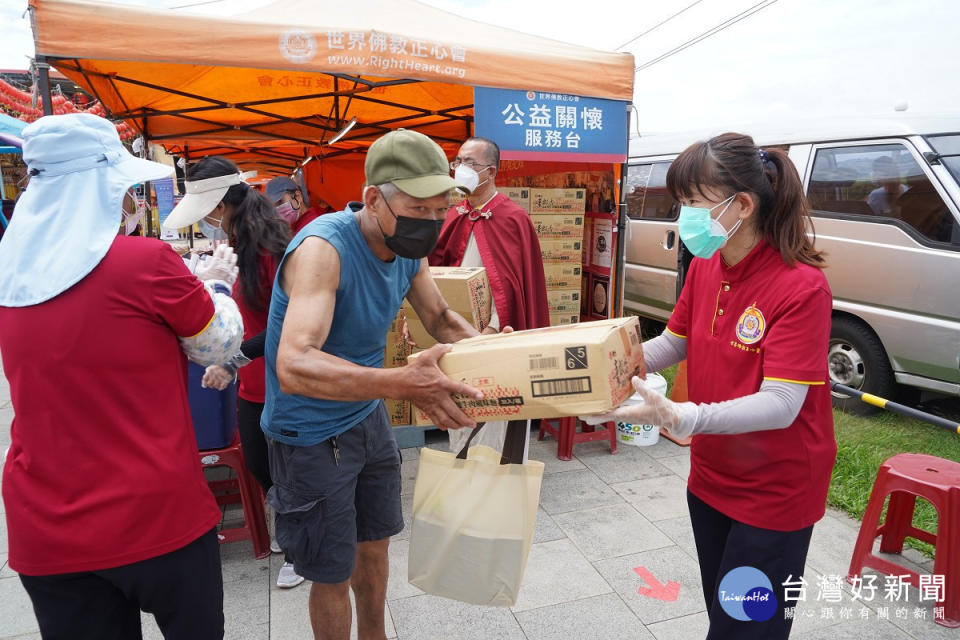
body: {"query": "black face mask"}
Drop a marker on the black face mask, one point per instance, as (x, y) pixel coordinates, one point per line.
(413, 237)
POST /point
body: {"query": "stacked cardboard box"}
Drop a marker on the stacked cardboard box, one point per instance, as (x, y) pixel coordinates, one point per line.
(558, 217)
(520, 195)
(544, 373)
(395, 355)
(466, 290)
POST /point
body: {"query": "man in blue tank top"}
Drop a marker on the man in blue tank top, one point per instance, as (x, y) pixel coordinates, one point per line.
(333, 458)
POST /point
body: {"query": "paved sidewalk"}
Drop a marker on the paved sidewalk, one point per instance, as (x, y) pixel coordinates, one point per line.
(601, 516)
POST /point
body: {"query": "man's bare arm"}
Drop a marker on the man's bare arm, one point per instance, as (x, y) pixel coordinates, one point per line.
(310, 278)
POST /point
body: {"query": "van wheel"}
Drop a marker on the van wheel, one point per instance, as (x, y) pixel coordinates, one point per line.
(857, 359)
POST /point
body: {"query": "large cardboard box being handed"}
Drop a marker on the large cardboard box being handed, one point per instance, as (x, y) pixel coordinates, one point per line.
(466, 290)
(552, 372)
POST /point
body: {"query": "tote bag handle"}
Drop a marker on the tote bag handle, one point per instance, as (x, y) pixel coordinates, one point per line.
(513, 443)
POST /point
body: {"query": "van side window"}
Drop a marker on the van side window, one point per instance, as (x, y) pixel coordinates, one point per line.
(880, 181)
(646, 192)
(947, 147)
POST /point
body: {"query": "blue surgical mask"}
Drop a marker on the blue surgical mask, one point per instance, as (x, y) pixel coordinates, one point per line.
(215, 233)
(702, 234)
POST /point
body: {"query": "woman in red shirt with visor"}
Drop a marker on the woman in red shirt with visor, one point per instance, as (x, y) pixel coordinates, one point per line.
(753, 323)
(226, 208)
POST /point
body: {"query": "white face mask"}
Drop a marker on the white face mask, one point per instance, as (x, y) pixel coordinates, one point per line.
(215, 233)
(468, 177)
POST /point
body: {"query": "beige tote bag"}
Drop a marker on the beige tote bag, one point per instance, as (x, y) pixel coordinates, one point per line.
(473, 519)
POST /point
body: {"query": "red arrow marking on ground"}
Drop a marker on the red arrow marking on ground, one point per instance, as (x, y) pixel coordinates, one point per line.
(666, 592)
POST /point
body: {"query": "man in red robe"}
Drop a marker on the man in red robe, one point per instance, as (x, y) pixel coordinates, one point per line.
(489, 230)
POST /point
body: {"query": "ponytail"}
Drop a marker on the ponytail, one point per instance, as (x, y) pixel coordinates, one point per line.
(732, 163)
(787, 221)
(254, 229)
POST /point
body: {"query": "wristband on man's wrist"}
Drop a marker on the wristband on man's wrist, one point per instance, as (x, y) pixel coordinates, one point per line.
(237, 361)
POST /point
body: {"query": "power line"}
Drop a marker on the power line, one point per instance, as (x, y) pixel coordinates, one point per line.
(706, 34)
(659, 24)
(195, 4)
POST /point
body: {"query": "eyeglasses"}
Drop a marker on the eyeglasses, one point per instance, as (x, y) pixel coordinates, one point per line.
(473, 164)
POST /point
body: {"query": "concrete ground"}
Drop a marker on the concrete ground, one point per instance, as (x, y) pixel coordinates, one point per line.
(601, 516)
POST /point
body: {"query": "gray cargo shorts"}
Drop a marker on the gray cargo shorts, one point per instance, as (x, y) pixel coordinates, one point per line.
(332, 495)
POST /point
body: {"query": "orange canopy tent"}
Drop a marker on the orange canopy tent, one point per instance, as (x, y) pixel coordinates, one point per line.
(275, 88)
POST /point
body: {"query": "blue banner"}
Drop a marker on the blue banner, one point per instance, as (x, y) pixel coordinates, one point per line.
(164, 190)
(535, 125)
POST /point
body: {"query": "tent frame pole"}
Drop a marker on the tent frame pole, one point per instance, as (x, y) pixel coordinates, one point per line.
(43, 84)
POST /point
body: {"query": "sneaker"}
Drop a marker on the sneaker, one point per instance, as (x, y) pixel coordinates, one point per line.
(288, 578)
(274, 547)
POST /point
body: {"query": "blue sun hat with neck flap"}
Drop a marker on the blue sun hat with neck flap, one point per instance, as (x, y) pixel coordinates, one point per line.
(68, 217)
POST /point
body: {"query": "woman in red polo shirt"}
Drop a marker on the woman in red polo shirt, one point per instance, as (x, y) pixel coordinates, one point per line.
(753, 322)
(259, 235)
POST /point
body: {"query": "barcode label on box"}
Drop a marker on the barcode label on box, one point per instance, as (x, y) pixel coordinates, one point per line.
(561, 387)
(544, 363)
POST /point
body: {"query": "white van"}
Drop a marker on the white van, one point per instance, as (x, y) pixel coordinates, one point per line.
(886, 210)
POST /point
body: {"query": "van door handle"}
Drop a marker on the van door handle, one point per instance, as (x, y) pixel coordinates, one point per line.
(669, 239)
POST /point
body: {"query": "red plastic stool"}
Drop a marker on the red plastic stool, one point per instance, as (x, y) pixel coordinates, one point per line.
(904, 477)
(565, 431)
(243, 489)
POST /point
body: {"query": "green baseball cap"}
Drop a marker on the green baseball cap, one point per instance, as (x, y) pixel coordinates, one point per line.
(414, 163)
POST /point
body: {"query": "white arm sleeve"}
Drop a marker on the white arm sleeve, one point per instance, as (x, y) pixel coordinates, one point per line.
(663, 351)
(221, 339)
(775, 406)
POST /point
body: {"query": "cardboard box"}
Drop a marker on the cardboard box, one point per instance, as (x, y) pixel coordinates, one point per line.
(562, 275)
(520, 195)
(544, 373)
(564, 300)
(466, 290)
(400, 412)
(562, 250)
(564, 225)
(558, 201)
(395, 355)
(560, 319)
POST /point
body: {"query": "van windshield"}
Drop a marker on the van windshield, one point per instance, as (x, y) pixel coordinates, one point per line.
(948, 147)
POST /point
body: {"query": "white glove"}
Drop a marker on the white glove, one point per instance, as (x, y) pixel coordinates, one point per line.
(216, 377)
(680, 418)
(222, 265)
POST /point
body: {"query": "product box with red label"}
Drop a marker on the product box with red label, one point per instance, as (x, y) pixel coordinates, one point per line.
(570, 370)
(561, 250)
(560, 319)
(558, 201)
(563, 300)
(520, 195)
(562, 275)
(562, 225)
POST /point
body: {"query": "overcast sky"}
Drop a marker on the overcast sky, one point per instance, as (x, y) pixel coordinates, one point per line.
(792, 58)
